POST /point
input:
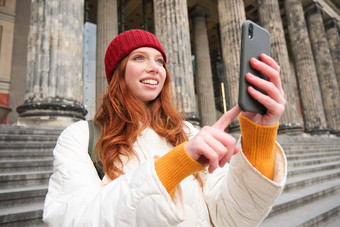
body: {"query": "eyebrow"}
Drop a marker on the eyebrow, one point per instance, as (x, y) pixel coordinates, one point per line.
(144, 52)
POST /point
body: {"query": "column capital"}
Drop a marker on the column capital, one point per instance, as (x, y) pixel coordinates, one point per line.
(331, 23)
(312, 8)
(198, 11)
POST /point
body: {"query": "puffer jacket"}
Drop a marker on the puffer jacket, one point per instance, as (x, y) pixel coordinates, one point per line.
(235, 195)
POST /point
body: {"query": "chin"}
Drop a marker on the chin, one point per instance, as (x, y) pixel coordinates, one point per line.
(149, 99)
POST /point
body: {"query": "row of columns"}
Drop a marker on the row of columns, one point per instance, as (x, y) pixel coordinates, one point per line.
(314, 67)
(315, 71)
(319, 93)
(324, 67)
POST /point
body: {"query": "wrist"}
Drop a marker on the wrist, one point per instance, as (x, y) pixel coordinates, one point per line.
(260, 119)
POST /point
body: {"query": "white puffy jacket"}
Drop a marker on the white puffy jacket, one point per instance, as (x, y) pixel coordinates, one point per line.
(236, 195)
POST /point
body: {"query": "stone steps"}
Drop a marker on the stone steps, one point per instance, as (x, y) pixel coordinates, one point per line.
(306, 138)
(292, 199)
(308, 214)
(312, 191)
(25, 154)
(294, 151)
(14, 197)
(305, 180)
(7, 166)
(308, 142)
(10, 138)
(293, 171)
(26, 162)
(333, 222)
(21, 179)
(29, 130)
(312, 161)
(306, 156)
(25, 215)
(27, 145)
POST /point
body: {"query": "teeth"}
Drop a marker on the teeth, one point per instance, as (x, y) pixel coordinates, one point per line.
(152, 82)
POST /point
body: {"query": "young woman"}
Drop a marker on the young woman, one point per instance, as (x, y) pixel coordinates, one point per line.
(154, 162)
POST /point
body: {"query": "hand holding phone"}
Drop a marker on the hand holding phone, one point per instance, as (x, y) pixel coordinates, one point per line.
(255, 40)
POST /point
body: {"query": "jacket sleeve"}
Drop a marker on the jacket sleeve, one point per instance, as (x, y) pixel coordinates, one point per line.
(76, 196)
(239, 195)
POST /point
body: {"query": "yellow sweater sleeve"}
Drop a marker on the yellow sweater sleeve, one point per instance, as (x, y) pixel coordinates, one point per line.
(258, 145)
(174, 166)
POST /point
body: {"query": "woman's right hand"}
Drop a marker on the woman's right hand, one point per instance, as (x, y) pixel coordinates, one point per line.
(212, 146)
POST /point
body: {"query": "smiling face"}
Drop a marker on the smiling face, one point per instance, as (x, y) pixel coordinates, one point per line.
(145, 73)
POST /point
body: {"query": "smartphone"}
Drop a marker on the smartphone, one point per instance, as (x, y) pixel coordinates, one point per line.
(255, 40)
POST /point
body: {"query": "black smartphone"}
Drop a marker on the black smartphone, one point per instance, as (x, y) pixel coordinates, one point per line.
(255, 40)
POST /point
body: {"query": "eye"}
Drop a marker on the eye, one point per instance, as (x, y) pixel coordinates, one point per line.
(138, 57)
(160, 61)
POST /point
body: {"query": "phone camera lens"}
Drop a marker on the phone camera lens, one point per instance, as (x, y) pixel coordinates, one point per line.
(250, 31)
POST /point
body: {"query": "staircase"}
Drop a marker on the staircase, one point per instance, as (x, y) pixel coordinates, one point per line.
(25, 167)
(312, 193)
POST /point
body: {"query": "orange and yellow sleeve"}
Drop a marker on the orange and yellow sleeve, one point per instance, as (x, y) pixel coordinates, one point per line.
(258, 145)
(174, 166)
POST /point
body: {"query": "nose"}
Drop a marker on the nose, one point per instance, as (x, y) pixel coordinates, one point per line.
(153, 66)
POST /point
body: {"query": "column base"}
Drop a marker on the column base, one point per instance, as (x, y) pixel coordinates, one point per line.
(335, 132)
(58, 112)
(234, 126)
(317, 131)
(290, 129)
(51, 121)
(193, 119)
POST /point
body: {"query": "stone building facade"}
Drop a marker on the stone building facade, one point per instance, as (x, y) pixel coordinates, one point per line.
(42, 66)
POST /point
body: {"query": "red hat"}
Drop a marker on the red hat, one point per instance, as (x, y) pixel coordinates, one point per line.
(124, 43)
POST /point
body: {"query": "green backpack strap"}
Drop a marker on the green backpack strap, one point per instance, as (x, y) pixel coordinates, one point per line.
(93, 137)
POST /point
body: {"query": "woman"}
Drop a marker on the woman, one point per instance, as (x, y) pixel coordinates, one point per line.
(154, 162)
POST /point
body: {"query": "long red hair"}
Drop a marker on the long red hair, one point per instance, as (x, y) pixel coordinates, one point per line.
(122, 117)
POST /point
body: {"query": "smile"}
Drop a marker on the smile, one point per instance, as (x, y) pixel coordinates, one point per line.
(150, 81)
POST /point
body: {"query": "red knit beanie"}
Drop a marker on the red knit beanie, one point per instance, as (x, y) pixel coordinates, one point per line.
(124, 43)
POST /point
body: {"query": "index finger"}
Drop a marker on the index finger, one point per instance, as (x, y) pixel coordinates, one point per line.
(227, 118)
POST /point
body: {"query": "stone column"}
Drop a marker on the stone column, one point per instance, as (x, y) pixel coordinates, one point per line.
(231, 16)
(54, 64)
(172, 29)
(203, 78)
(107, 29)
(19, 59)
(309, 89)
(333, 36)
(324, 67)
(269, 13)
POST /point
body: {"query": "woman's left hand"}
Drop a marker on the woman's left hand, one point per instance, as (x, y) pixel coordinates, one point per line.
(274, 100)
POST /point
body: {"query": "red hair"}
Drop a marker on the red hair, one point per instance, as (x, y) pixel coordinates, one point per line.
(122, 117)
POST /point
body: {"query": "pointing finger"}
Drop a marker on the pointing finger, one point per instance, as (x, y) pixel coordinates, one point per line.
(227, 118)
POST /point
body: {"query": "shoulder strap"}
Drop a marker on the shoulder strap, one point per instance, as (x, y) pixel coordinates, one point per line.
(93, 137)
